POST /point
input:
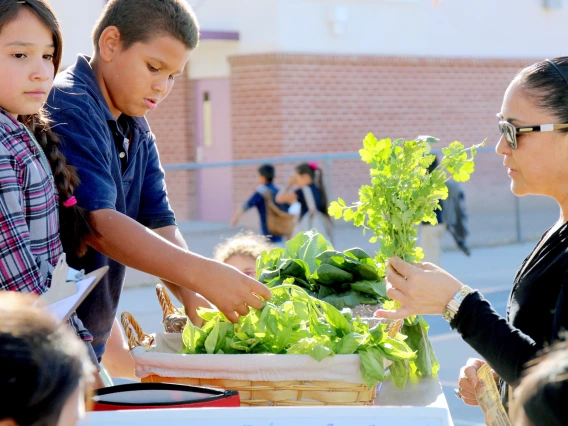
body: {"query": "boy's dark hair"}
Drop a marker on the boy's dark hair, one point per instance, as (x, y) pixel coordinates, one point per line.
(43, 363)
(142, 20)
(267, 172)
(74, 221)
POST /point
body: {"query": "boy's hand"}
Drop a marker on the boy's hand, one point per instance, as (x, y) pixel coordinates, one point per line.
(190, 308)
(232, 291)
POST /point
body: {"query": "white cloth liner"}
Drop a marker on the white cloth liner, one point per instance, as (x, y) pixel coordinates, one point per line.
(162, 359)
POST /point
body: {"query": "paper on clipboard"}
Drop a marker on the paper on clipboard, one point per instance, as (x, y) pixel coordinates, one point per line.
(69, 288)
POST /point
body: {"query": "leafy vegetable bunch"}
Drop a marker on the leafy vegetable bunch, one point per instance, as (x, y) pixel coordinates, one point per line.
(343, 279)
(294, 322)
(402, 194)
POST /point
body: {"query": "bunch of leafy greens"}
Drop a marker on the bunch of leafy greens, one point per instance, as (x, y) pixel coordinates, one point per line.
(343, 279)
(403, 194)
(293, 322)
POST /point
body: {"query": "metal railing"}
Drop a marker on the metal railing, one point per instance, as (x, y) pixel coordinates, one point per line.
(328, 159)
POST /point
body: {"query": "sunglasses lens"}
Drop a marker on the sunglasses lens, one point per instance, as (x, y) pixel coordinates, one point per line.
(509, 131)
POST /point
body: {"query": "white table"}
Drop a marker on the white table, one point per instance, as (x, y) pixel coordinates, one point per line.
(421, 404)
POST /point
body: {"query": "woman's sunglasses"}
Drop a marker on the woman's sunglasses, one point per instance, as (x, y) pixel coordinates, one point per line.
(511, 131)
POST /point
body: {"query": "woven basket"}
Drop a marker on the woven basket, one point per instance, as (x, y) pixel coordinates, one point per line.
(261, 393)
(252, 392)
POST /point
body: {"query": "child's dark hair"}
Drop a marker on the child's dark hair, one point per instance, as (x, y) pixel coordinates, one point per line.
(142, 20)
(546, 84)
(74, 221)
(540, 398)
(267, 172)
(316, 174)
(43, 363)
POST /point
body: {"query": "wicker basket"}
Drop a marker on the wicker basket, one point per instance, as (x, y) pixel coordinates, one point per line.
(260, 393)
(254, 392)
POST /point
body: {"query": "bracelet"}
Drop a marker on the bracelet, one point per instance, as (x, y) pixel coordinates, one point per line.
(454, 304)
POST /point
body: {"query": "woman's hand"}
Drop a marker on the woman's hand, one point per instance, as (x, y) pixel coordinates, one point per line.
(292, 180)
(420, 288)
(468, 381)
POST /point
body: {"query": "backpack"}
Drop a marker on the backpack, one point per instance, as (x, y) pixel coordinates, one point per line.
(278, 222)
(314, 218)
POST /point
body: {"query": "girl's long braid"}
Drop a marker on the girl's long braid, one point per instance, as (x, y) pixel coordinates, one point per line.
(74, 222)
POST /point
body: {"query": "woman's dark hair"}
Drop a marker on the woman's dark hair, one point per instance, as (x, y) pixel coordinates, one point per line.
(546, 84)
(316, 174)
(142, 20)
(43, 363)
(74, 221)
(267, 172)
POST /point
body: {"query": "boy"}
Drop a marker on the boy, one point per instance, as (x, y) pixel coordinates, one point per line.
(98, 105)
(265, 179)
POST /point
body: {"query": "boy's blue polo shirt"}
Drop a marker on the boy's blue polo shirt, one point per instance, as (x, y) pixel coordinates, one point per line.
(93, 142)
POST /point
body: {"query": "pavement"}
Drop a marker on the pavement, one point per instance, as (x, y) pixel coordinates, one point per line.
(490, 269)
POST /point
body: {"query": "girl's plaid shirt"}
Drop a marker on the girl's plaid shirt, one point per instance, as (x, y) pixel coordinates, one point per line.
(29, 222)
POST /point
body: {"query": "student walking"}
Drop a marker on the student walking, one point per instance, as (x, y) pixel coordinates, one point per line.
(266, 175)
(306, 187)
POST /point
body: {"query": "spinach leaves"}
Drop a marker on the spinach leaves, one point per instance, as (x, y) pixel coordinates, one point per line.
(343, 279)
(294, 322)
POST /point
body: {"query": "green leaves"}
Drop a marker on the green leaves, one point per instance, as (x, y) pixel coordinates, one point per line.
(296, 323)
(343, 279)
(401, 194)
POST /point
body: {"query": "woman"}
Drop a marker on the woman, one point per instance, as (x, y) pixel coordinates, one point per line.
(306, 187)
(534, 146)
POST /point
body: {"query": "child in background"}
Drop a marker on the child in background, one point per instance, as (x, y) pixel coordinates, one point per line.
(35, 180)
(99, 104)
(266, 174)
(306, 187)
(45, 369)
(241, 251)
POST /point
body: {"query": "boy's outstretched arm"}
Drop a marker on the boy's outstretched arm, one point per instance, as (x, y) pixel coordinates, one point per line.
(132, 244)
(191, 300)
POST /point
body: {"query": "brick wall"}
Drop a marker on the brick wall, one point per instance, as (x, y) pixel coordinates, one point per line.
(287, 104)
(172, 123)
(309, 104)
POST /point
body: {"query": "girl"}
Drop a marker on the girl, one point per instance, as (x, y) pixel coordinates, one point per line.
(306, 187)
(534, 145)
(35, 180)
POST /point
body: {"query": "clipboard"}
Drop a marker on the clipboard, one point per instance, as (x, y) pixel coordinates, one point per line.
(69, 288)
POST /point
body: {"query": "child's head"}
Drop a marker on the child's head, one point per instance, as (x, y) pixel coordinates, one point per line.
(266, 173)
(241, 251)
(44, 366)
(31, 43)
(140, 46)
(307, 173)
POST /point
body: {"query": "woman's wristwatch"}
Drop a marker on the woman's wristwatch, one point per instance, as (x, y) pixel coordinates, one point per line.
(454, 304)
